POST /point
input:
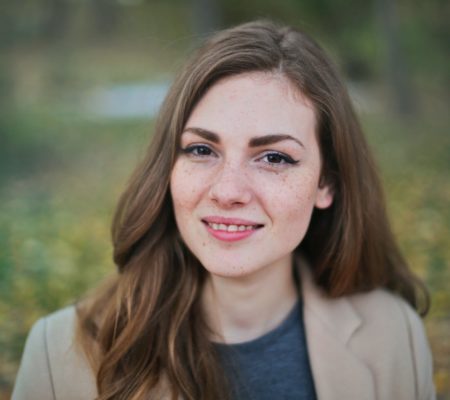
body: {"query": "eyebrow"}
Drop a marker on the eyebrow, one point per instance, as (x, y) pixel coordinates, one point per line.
(205, 134)
(253, 142)
(271, 139)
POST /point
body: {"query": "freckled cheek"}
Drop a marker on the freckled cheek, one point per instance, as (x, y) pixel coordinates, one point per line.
(186, 187)
(294, 199)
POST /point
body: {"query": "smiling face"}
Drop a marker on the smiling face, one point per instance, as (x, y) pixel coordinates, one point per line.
(246, 179)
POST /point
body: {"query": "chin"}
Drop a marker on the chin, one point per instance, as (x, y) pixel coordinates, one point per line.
(230, 270)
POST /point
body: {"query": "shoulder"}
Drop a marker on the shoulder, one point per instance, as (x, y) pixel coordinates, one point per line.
(385, 307)
(397, 334)
(53, 366)
(58, 327)
(387, 312)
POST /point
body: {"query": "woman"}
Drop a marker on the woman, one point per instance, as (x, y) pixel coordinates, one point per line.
(254, 255)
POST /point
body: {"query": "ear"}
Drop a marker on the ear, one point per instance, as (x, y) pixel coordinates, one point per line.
(324, 196)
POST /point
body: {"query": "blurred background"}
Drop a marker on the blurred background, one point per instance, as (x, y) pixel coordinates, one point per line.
(80, 84)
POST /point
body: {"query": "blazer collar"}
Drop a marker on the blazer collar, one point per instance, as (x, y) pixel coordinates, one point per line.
(337, 315)
(330, 325)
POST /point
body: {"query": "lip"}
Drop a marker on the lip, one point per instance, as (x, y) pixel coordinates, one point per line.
(229, 221)
(230, 236)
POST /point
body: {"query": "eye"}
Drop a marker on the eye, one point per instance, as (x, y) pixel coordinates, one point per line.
(198, 150)
(277, 158)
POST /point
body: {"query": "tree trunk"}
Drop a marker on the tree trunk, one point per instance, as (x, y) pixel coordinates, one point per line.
(398, 79)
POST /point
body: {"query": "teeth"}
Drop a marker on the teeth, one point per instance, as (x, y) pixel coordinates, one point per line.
(231, 228)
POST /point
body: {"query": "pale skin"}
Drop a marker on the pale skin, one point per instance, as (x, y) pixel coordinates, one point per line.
(249, 161)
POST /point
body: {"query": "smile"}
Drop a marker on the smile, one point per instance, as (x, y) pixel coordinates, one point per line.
(230, 230)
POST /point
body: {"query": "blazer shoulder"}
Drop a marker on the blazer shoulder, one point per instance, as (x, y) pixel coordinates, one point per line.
(390, 316)
(63, 316)
(420, 349)
(51, 348)
(389, 310)
(34, 379)
(376, 298)
(60, 331)
(393, 322)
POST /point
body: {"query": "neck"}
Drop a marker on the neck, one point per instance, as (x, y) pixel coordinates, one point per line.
(244, 308)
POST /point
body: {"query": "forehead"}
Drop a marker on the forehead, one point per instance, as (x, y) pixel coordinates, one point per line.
(252, 104)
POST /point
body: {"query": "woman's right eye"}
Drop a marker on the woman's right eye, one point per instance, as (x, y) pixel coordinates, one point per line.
(198, 150)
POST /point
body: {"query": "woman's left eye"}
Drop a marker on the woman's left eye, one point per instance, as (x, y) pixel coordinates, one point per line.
(276, 158)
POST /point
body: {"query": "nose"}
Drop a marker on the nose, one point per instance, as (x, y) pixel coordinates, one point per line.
(230, 187)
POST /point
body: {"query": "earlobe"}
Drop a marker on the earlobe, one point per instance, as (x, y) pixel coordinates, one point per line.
(324, 197)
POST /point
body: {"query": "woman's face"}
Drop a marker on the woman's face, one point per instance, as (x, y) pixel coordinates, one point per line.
(247, 176)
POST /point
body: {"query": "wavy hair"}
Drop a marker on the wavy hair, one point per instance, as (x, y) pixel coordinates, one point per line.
(145, 332)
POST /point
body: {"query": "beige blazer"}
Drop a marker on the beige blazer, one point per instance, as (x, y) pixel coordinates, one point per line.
(364, 347)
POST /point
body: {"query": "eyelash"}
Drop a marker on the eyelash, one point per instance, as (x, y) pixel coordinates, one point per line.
(194, 149)
(190, 150)
(284, 158)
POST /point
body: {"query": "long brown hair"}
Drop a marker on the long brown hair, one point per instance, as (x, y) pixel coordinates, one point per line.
(146, 330)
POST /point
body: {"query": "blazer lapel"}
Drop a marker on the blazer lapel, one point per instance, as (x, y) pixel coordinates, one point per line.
(329, 325)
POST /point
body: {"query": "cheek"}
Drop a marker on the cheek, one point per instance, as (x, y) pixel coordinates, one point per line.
(179, 188)
(185, 187)
(294, 200)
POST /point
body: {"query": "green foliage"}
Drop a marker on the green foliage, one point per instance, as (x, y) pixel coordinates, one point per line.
(54, 223)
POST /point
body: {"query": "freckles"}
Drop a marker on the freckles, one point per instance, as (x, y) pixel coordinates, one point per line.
(184, 196)
(186, 171)
(186, 185)
(304, 193)
(296, 195)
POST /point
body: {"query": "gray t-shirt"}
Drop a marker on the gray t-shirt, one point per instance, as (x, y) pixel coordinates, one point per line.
(273, 366)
